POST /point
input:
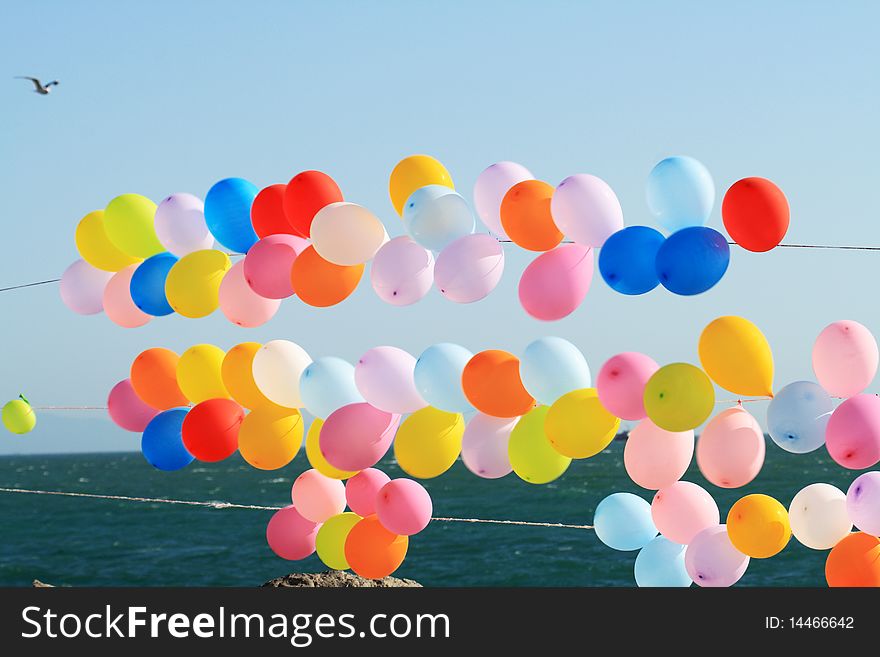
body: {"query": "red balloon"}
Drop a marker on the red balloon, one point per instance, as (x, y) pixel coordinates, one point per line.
(755, 214)
(267, 212)
(306, 193)
(210, 429)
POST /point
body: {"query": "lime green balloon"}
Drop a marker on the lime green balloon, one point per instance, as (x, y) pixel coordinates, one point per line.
(19, 417)
(531, 454)
(679, 397)
(128, 222)
(330, 541)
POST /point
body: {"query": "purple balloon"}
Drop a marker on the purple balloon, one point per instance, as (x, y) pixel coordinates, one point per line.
(484, 445)
(402, 271)
(469, 269)
(385, 378)
(356, 436)
(82, 288)
(489, 190)
(712, 561)
(863, 502)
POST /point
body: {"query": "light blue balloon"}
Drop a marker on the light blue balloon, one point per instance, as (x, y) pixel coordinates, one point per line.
(328, 384)
(623, 522)
(680, 193)
(661, 563)
(797, 417)
(438, 377)
(162, 441)
(228, 213)
(551, 367)
(435, 216)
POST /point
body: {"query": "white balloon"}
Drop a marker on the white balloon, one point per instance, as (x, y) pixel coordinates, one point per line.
(82, 288)
(180, 225)
(818, 516)
(586, 209)
(277, 368)
(347, 234)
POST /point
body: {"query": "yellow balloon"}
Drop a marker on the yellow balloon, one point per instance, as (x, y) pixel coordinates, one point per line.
(316, 459)
(96, 248)
(198, 373)
(238, 377)
(532, 456)
(736, 356)
(679, 397)
(270, 437)
(758, 526)
(412, 173)
(578, 426)
(18, 417)
(193, 283)
(330, 541)
(428, 442)
(128, 221)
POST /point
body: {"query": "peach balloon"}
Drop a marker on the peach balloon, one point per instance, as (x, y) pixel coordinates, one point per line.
(118, 303)
(730, 450)
(682, 510)
(241, 305)
(655, 458)
(845, 358)
(317, 497)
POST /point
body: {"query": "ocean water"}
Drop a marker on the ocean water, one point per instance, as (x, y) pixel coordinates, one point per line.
(79, 542)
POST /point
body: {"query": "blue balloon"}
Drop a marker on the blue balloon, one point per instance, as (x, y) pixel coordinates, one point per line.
(228, 213)
(438, 377)
(661, 563)
(147, 286)
(797, 417)
(692, 260)
(162, 442)
(628, 260)
(551, 367)
(435, 215)
(623, 522)
(328, 384)
(680, 193)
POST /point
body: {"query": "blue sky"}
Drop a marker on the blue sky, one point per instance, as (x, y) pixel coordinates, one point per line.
(167, 96)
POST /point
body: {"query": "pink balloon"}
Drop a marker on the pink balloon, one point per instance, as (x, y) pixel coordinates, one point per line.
(290, 535)
(712, 561)
(586, 209)
(362, 489)
(317, 497)
(845, 358)
(404, 507)
(356, 436)
(118, 303)
(556, 282)
(621, 384)
(489, 190)
(682, 510)
(268, 262)
(655, 458)
(241, 305)
(82, 288)
(853, 432)
(730, 450)
(484, 445)
(384, 376)
(863, 502)
(402, 271)
(469, 268)
(127, 410)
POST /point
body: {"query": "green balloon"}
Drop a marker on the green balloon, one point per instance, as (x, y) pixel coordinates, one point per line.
(19, 417)
(532, 456)
(128, 222)
(330, 541)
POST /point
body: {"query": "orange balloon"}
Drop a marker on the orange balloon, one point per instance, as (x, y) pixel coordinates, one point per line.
(237, 374)
(372, 551)
(526, 218)
(491, 383)
(321, 283)
(154, 378)
(854, 561)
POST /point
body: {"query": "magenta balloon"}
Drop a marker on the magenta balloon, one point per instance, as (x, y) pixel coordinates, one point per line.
(556, 282)
(404, 507)
(317, 497)
(127, 410)
(290, 535)
(682, 510)
(730, 450)
(845, 358)
(402, 271)
(268, 262)
(362, 489)
(484, 445)
(655, 458)
(469, 269)
(241, 305)
(489, 190)
(356, 436)
(82, 288)
(384, 376)
(853, 432)
(118, 303)
(586, 209)
(712, 561)
(621, 384)
(863, 503)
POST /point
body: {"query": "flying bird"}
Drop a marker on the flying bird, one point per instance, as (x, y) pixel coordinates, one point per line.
(39, 87)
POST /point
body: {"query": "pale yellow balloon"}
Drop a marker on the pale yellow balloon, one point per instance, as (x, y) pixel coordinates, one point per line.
(316, 459)
(270, 437)
(128, 221)
(199, 373)
(412, 173)
(96, 248)
(428, 442)
(736, 356)
(193, 283)
(578, 426)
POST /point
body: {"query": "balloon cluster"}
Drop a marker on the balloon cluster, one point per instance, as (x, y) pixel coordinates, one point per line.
(18, 416)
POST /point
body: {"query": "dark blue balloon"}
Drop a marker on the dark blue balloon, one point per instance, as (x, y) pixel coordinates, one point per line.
(147, 286)
(228, 213)
(692, 260)
(162, 441)
(628, 260)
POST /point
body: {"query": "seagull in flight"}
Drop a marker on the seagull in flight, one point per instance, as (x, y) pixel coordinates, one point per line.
(39, 87)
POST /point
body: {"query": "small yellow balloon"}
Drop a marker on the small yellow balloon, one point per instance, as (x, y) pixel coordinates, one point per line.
(316, 459)
(96, 248)
(532, 456)
(679, 397)
(758, 526)
(578, 426)
(128, 222)
(193, 283)
(736, 356)
(412, 173)
(428, 442)
(330, 541)
(18, 417)
(270, 437)
(238, 377)
(198, 373)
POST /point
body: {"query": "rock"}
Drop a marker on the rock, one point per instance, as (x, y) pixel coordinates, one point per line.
(336, 579)
(42, 585)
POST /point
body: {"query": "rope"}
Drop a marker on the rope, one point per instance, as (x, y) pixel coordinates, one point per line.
(18, 287)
